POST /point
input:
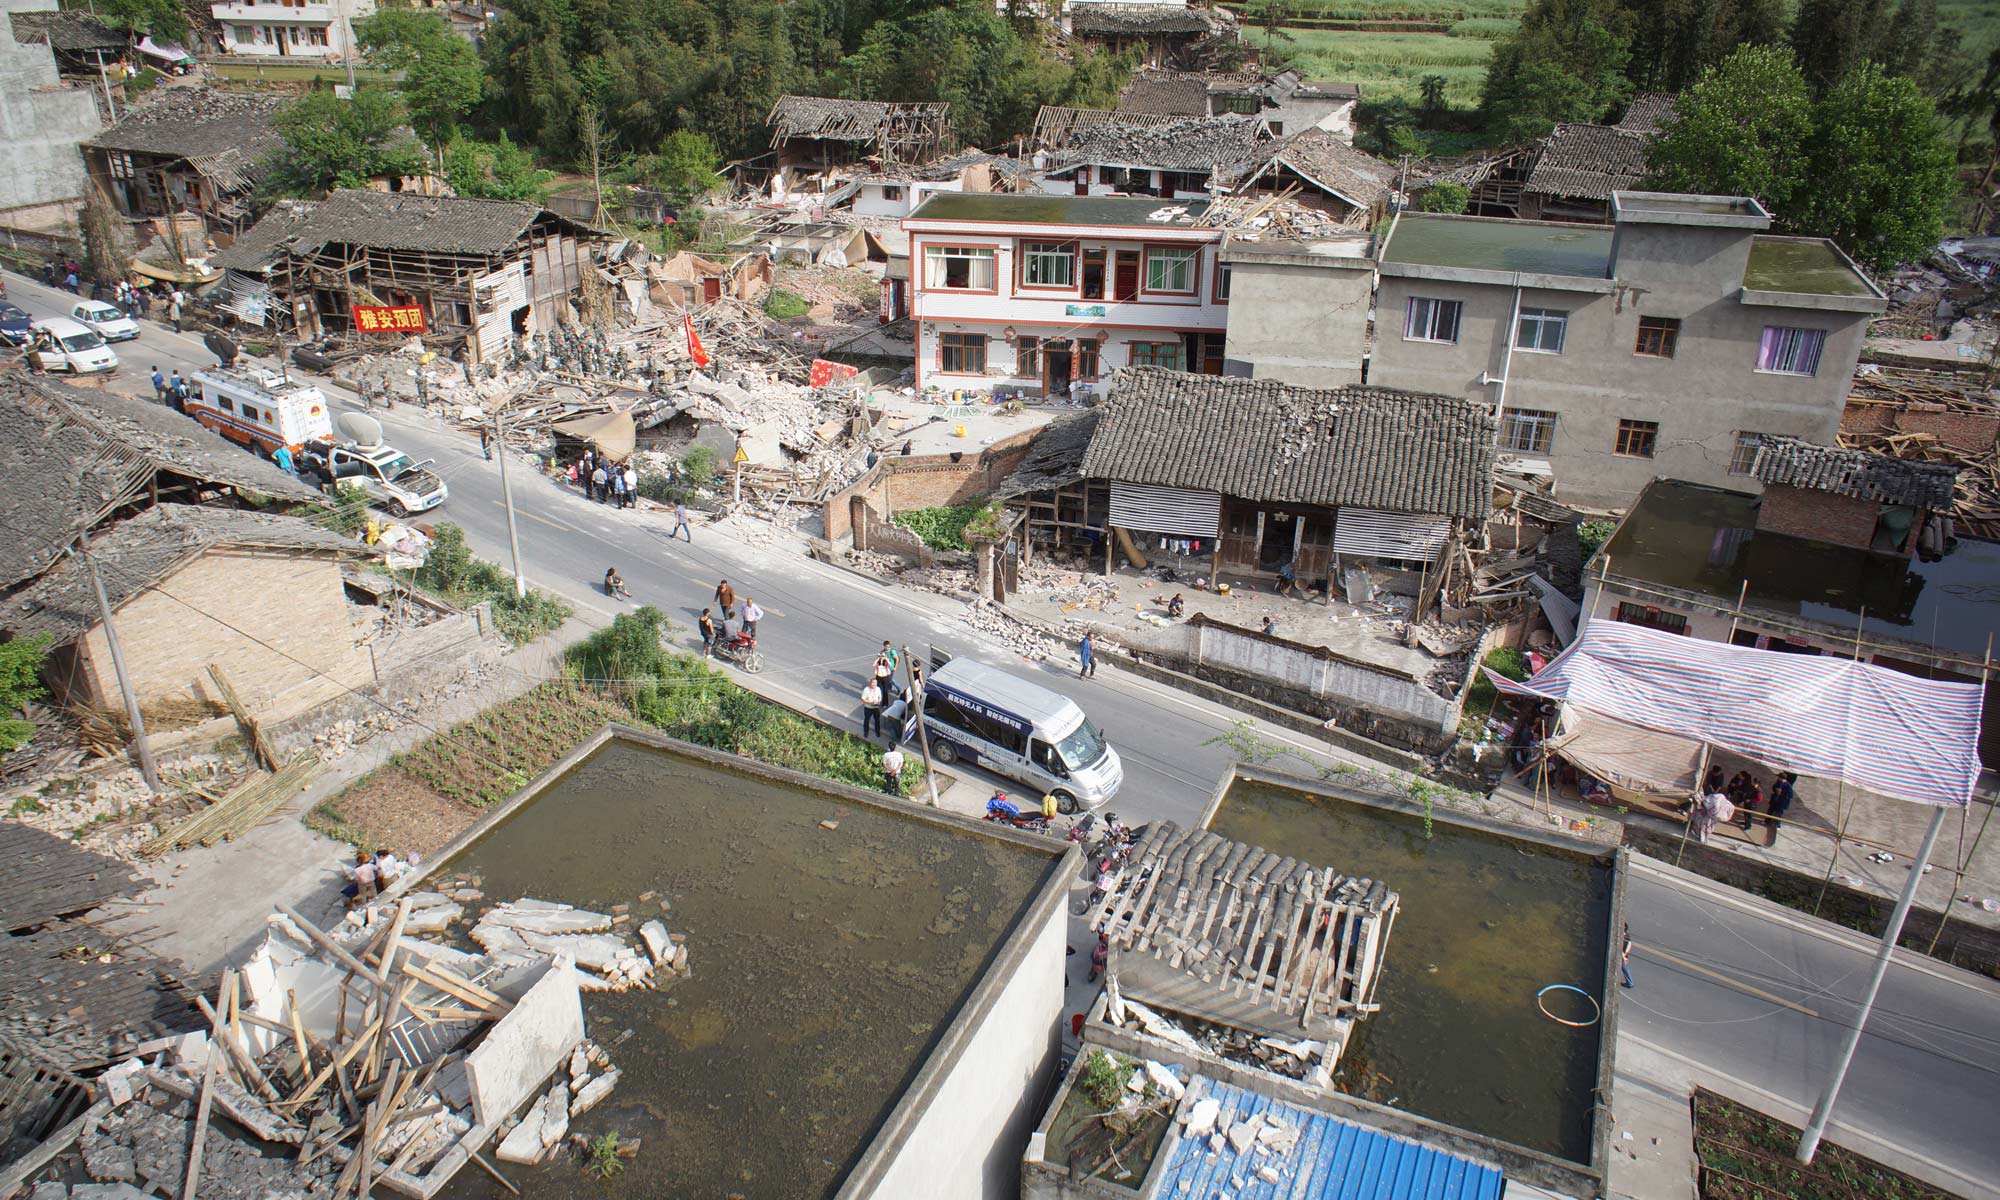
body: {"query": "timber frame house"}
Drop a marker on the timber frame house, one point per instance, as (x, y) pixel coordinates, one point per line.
(485, 272)
(812, 136)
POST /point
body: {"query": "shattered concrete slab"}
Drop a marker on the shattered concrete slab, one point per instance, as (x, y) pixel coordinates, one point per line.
(526, 1046)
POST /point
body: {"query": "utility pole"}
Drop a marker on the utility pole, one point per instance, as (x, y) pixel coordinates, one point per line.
(140, 746)
(917, 707)
(507, 493)
(1815, 1128)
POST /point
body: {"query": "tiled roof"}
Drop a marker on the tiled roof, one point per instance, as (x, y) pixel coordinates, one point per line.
(1648, 112)
(69, 457)
(1857, 473)
(1355, 176)
(1226, 145)
(67, 31)
(1115, 20)
(44, 878)
(1177, 93)
(1056, 125)
(1589, 162)
(138, 553)
(1364, 447)
(1313, 1156)
(1054, 458)
(225, 135)
(258, 247)
(406, 221)
(826, 117)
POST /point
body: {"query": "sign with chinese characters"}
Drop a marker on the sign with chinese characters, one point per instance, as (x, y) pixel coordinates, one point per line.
(400, 318)
(1083, 310)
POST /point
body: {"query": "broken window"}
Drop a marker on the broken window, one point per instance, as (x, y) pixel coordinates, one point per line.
(959, 268)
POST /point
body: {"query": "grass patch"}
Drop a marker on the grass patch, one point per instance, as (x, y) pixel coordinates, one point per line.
(1746, 1155)
(489, 757)
(251, 72)
(947, 526)
(681, 695)
(1481, 695)
(453, 575)
(327, 820)
(1491, 29)
(782, 305)
(1391, 65)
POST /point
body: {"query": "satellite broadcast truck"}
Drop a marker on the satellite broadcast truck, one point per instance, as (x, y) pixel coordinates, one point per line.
(261, 409)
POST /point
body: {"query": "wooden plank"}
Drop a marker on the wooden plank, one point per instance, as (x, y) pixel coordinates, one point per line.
(259, 744)
(326, 943)
(299, 1034)
(340, 1060)
(208, 1072)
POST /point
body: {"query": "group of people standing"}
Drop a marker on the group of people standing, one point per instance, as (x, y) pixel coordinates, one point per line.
(368, 876)
(734, 616)
(606, 480)
(1741, 800)
(881, 693)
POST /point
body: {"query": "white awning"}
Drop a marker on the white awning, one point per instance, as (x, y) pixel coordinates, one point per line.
(1179, 511)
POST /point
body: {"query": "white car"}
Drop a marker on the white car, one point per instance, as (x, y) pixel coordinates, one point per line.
(60, 344)
(390, 477)
(110, 324)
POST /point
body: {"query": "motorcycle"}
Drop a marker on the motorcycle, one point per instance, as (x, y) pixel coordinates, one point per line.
(1002, 811)
(741, 649)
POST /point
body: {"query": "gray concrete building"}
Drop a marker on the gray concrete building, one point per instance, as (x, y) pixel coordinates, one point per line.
(1298, 311)
(41, 121)
(1660, 346)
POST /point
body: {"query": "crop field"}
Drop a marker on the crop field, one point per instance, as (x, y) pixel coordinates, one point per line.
(1391, 64)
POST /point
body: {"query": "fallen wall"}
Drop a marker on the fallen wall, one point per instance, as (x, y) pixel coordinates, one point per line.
(404, 666)
(900, 483)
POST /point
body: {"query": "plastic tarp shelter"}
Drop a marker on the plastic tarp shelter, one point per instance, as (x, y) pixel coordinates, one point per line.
(611, 432)
(1872, 727)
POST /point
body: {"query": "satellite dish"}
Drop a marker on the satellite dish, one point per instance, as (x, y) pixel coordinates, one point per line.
(224, 349)
(359, 428)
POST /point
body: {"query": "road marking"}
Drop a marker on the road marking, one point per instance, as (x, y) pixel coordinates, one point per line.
(1721, 978)
(553, 524)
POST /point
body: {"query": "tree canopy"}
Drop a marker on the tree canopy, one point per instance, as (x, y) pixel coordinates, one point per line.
(161, 18)
(441, 77)
(498, 170)
(1567, 63)
(331, 142)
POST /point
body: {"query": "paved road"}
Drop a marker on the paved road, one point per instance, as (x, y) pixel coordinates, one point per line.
(1747, 994)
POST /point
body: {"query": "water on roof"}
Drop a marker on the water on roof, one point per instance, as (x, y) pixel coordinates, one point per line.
(826, 964)
(1481, 244)
(1806, 265)
(1057, 210)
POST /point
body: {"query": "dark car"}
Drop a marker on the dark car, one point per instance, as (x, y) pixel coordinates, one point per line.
(13, 324)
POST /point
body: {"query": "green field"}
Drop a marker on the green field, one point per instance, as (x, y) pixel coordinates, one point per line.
(1390, 64)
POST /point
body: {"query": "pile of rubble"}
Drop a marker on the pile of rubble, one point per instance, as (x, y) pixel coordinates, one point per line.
(109, 809)
(335, 739)
(1945, 296)
(371, 1056)
(1030, 643)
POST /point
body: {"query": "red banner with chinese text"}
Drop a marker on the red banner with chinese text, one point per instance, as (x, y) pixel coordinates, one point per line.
(399, 318)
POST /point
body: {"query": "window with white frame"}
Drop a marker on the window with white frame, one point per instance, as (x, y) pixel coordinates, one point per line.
(1222, 283)
(1541, 330)
(1171, 269)
(1048, 264)
(1428, 320)
(1790, 351)
(1743, 455)
(1527, 430)
(958, 268)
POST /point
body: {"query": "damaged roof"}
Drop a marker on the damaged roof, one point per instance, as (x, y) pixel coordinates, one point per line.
(1648, 113)
(1054, 458)
(1125, 20)
(1179, 93)
(423, 224)
(69, 458)
(138, 553)
(841, 120)
(44, 878)
(1589, 162)
(224, 135)
(70, 32)
(1056, 125)
(1879, 478)
(1355, 176)
(1363, 447)
(258, 249)
(1225, 145)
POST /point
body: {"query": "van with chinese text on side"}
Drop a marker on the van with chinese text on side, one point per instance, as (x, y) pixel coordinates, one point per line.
(1021, 730)
(262, 409)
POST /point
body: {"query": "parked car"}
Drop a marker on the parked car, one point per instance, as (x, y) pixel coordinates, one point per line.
(391, 478)
(14, 322)
(61, 345)
(110, 324)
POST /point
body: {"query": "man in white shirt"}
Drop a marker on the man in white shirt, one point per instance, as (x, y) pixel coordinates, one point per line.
(871, 710)
(892, 770)
(751, 615)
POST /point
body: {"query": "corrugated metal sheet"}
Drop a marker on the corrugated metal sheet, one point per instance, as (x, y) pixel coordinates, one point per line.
(1180, 511)
(1330, 1160)
(1410, 536)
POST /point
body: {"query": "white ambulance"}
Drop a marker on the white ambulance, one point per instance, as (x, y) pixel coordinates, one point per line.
(260, 408)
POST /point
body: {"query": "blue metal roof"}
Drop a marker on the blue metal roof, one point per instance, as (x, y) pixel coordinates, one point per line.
(1331, 1160)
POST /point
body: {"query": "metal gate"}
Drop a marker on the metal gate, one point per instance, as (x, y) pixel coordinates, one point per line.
(1413, 536)
(1177, 511)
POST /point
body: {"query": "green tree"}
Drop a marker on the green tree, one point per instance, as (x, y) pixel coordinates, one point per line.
(1832, 37)
(20, 682)
(494, 170)
(1566, 63)
(1445, 198)
(440, 72)
(1743, 130)
(684, 166)
(1431, 89)
(1674, 41)
(1881, 170)
(332, 143)
(164, 19)
(1272, 16)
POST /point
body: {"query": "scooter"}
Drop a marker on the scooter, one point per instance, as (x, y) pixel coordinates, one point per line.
(1003, 811)
(741, 649)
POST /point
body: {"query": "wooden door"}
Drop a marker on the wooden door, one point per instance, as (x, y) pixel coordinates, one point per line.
(1239, 538)
(1315, 558)
(1125, 286)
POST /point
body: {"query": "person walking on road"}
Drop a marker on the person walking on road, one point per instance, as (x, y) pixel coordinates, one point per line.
(486, 442)
(707, 627)
(725, 598)
(159, 385)
(871, 710)
(1086, 658)
(751, 615)
(892, 770)
(681, 523)
(1625, 958)
(174, 309)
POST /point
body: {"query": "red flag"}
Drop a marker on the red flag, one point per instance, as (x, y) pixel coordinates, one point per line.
(695, 350)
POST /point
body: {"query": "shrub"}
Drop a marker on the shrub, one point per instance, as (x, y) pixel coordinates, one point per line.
(1489, 29)
(699, 465)
(20, 682)
(1445, 198)
(940, 528)
(453, 574)
(346, 511)
(1102, 1080)
(782, 305)
(1591, 536)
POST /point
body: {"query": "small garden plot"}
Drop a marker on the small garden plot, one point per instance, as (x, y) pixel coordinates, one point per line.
(1746, 1155)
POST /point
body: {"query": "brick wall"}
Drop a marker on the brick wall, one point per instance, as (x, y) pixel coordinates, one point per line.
(1821, 516)
(899, 484)
(292, 602)
(1973, 433)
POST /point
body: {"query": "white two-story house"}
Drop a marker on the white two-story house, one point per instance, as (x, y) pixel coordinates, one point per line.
(1049, 294)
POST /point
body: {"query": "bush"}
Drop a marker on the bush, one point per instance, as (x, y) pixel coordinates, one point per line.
(1591, 536)
(782, 305)
(20, 682)
(941, 528)
(1102, 1080)
(346, 511)
(1445, 198)
(699, 465)
(1481, 695)
(453, 574)
(1489, 29)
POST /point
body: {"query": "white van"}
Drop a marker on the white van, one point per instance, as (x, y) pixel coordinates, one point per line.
(260, 408)
(1021, 730)
(60, 344)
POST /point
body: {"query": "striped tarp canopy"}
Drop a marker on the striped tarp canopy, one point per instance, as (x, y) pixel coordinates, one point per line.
(1878, 729)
